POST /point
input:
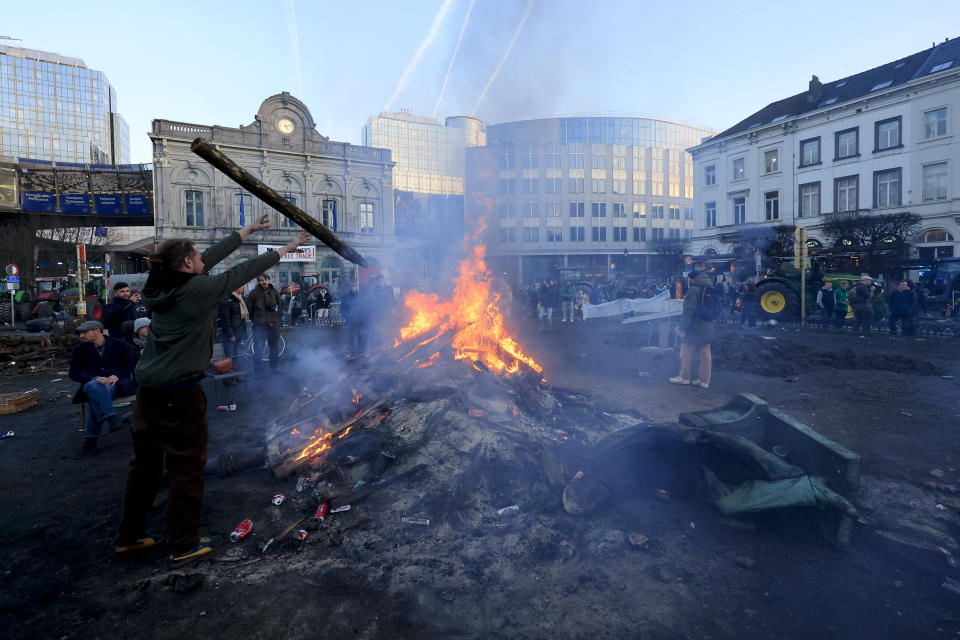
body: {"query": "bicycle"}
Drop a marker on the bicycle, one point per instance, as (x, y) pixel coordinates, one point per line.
(246, 348)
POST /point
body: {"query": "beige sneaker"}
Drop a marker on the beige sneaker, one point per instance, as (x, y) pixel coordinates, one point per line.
(702, 385)
(679, 380)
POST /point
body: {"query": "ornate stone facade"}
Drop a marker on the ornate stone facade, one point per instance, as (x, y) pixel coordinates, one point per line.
(348, 188)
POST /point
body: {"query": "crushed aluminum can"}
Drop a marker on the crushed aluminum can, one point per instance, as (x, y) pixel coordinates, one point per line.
(663, 494)
(321, 513)
(241, 530)
(512, 510)
(345, 507)
(233, 406)
(358, 484)
(578, 475)
(278, 499)
(8, 434)
(421, 521)
(302, 534)
(478, 413)
(223, 407)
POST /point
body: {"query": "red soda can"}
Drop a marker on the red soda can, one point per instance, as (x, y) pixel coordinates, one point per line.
(322, 511)
(302, 534)
(223, 407)
(241, 530)
(278, 499)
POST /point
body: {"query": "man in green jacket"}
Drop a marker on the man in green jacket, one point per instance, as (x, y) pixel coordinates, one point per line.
(696, 332)
(170, 420)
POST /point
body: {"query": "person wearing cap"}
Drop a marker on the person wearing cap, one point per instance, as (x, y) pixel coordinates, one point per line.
(170, 420)
(862, 303)
(141, 331)
(121, 309)
(104, 368)
(696, 332)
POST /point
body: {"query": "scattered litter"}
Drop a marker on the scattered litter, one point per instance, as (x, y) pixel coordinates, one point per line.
(512, 510)
(663, 494)
(578, 475)
(321, 513)
(302, 534)
(693, 526)
(478, 413)
(780, 451)
(278, 499)
(562, 433)
(947, 377)
(792, 379)
(940, 507)
(345, 507)
(56, 380)
(8, 434)
(421, 521)
(937, 473)
(951, 585)
(768, 337)
(358, 484)
(638, 540)
(904, 413)
(241, 530)
(862, 520)
(266, 545)
(63, 373)
(946, 488)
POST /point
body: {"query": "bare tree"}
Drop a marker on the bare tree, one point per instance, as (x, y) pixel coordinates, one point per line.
(881, 239)
(668, 256)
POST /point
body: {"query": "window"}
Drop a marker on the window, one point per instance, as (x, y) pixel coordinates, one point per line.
(576, 209)
(935, 182)
(656, 211)
(551, 155)
(598, 210)
(886, 134)
(809, 199)
(847, 143)
(242, 208)
(552, 185)
(619, 234)
(710, 209)
(531, 234)
(508, 234)
(619, 210)
(507, 156)
(710, 175)
(639, 209)
(674, 234)
(530, 158)
(554, 234)
(809, 152)
(576, 155)
(771, 161)
(576, 234)
(688, 213)
(620, 157)
(656, 233)
(739, 211)
(620, 186)
(599, 186)
(639, 234)
(328, 214)
(846, 190)
(285, 222)
(936, 235)
(771, 205)
(575, 185)
(531, 209)
(739, 169)
(639, 185)
(935, 123)
(674, 212)
(531, 185)
(507, 186)
(553, 209)
(366, 217)
(193, 207)
(598, 234)
(599, 157)
(886, 188)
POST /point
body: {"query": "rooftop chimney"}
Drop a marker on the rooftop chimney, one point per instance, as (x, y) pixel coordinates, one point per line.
(816, 89)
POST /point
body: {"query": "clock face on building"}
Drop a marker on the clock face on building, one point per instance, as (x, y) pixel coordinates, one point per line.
(285, 125)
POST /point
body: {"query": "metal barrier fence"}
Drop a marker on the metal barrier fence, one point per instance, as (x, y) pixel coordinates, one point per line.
(946, 329)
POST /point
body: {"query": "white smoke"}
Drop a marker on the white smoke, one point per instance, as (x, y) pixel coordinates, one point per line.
(516, 34)
(453, 58)
(291, 15)
(418, 54)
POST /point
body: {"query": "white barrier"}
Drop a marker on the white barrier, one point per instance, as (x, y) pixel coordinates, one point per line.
(661, 304)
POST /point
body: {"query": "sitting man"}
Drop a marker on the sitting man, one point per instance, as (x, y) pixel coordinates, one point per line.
(104, 367)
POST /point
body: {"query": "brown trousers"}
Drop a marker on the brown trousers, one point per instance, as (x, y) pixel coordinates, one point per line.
(687, 350)
(169, 429)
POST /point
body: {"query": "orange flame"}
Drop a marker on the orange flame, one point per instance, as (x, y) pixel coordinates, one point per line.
(474, 314)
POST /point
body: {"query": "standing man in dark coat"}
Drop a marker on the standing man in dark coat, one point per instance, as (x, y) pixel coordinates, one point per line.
(354, 312)
(121, 309)
(232, 322)
(263, 303)
(862, 303)
(170, 421)
(697, 333)
(903, 303)
(827, 301)
(104, 368)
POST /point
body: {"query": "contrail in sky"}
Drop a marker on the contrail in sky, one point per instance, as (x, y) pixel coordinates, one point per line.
(452, 58)
(415, 60)
(294, 44)
(523, 19)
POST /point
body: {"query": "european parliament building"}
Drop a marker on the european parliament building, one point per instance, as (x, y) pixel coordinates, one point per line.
(581, 192)
(55, 108)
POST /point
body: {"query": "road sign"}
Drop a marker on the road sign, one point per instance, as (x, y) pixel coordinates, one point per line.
(13, 286)
(13, 270)
(688, 260)
(13, 278)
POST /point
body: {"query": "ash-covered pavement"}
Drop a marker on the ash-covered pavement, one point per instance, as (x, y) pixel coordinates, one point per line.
(545, 574)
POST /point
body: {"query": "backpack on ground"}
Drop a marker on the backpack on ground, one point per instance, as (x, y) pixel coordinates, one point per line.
(709, 307)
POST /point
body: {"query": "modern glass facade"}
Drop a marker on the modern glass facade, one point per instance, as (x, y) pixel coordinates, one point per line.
(429, 155)
(56, 108)
(584, 191)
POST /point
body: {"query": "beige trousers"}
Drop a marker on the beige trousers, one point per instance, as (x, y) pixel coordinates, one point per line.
(687, 350)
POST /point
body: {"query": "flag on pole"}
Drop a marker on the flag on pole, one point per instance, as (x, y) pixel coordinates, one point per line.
(242, 220)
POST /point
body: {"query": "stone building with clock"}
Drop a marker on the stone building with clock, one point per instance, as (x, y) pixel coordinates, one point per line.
(348, 188)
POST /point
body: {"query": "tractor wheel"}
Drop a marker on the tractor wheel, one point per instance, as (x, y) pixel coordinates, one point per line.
(26, 310)
(5, 312)
(94, 310)
(779, 301)
(44, 310)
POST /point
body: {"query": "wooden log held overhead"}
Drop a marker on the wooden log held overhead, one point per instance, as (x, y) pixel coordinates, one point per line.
(232, 170)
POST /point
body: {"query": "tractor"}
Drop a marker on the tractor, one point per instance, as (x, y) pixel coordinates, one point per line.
(779, 292)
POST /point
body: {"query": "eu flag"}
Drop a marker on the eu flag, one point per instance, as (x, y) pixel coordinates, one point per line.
(242, 221)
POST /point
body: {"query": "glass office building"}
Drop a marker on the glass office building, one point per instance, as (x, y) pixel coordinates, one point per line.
(590, 192)
(53, 107)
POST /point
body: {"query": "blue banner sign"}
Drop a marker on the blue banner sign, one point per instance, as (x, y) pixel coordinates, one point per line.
(108, 204)
(75, 203)
(137, 204)
(39, 201)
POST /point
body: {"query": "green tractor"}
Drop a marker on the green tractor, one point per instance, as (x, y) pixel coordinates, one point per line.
(779, 293)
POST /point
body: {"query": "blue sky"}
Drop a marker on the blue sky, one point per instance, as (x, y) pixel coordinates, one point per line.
(705, 63)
